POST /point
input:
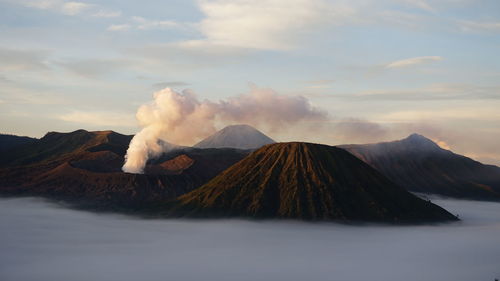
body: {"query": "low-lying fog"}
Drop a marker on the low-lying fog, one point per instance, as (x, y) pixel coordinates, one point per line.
(42, 241)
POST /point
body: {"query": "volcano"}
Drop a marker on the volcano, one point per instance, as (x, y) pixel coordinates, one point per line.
(420, 165)
(236, 136)
(306, 181)
(84, 168)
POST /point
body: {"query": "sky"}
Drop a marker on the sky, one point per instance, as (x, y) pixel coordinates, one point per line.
(353, 71)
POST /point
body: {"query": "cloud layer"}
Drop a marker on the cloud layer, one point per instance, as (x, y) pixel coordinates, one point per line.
(95, 246)
(268, 24)
(69, 8)
(413, 61)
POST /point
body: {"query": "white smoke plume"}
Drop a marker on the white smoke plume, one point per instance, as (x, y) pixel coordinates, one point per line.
(181, 118)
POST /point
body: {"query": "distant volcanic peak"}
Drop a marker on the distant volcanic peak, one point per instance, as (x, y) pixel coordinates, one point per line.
(420, 165)
(417, 137)
(239, 127)
(244, 130)
(421, 142)
(236, 136)
(306, 181)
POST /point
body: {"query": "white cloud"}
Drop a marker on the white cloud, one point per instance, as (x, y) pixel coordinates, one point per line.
(474, 26)
(41, 4)
(267, 24)
(107, 14)
(205, 48)
(421, 4)
(396, 18)
(74, 8)
(437, 91)
(412, 61)
(70, 8)
(459, 113)
(143, 23)
(277, 24)
(119, 27)
(171, 84)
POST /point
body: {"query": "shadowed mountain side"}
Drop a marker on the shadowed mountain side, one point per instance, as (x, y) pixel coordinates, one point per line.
(305, 181)
(101, 189)
(418, 164)
(86, 167)
(8, 142)
(236, 136)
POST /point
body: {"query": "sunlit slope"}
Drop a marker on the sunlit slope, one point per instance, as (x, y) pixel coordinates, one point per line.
(306, 181)
(55, 145)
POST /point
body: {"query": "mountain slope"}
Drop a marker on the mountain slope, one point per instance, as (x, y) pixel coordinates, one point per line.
(236, 136)
(306, 181)
(56, 145)
(85, 167)
(418, 164)
(8, 142)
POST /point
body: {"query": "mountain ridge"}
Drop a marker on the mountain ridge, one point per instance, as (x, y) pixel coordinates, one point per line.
(305, 181)
(420, 165)
(85, 168)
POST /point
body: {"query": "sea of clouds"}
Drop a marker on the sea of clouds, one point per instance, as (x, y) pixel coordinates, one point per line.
(41, 240)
